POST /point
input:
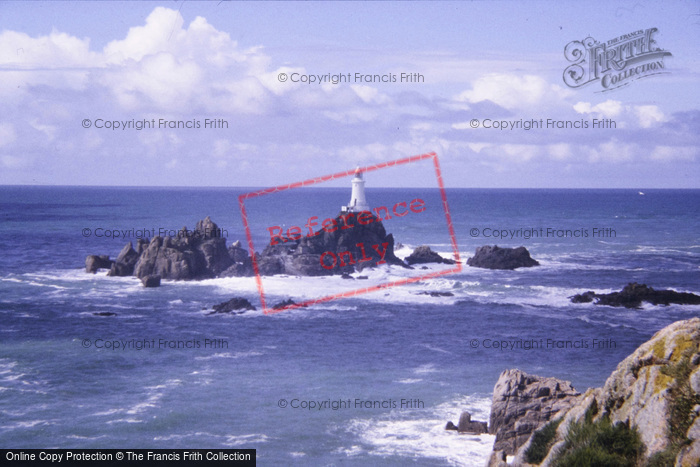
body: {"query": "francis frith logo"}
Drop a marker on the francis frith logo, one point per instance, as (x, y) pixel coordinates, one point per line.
(616, 62)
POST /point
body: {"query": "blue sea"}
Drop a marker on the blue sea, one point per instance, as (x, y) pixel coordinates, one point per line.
(366, 380)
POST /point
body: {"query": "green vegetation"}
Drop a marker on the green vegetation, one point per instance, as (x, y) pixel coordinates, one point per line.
(542, 441)
(601, 444)
(683, 399)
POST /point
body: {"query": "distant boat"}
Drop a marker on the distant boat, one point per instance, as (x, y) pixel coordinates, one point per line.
(641, 193)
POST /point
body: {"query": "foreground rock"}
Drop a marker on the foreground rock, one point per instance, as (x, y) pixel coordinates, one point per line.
(494, 257)
(649, 409)
(523, 403)
(423, 254)
(633, 294)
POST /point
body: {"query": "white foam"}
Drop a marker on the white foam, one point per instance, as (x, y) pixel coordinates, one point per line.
(421, 433)
(235, 355)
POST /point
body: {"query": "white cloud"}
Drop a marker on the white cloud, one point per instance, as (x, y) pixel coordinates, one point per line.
(644, 116)
(674, 153)
(649, 115)
(560, 151)
(513, 91)
(608, 109)
(7, 134)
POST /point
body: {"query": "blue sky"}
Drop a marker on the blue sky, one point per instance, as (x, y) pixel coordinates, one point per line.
(64, 62)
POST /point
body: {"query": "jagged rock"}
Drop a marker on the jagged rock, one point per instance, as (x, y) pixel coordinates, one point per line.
(95, 262)
(451, 426)
(351, 247)
(523, 403)
(494, 257)
(197, 254)
(125, 262)
(650, 391)
(235, 304)
(423, 254)
(466, 425)
(152, 280)
(633, 294)
(347, 276)
(497, 459)
(202, 253)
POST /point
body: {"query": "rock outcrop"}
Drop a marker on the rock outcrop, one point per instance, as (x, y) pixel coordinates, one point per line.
(358, 241)
(352, 246)
(633, 294)
(494, 257)
(523, 403)
(197, 254)
(467, 425)
(654, 393)
(423, 254)
(95, 262)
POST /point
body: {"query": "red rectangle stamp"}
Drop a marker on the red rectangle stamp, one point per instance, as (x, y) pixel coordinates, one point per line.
(311, 239)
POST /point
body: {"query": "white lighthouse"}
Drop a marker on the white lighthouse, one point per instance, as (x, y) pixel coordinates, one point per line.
(358, 202)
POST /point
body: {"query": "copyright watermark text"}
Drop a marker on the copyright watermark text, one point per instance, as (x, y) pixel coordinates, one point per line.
(155, 124)
(152, 232)
(542, 232)
(509, 345)
(351, 78)
(355, 404)
(539, 124)
(154, 344)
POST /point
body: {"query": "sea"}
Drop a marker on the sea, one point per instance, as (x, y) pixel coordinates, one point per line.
(91, 361)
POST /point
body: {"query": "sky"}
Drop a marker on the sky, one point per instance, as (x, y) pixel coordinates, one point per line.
(72, 71)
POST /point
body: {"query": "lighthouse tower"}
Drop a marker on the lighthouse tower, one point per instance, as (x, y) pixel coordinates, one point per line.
(358, 202)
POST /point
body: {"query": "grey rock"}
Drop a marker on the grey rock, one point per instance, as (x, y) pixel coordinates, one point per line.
(523, 403)
(494, 257)
(125, 262)
(235, 304)
(95, 262)
(632, 295)
(451, 426)
(152, 280)
(423, 254)
(466, 425)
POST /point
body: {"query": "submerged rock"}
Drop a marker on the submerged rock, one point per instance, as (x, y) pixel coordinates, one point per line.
(235, 304)
(285, 303)
(633, 294)
(494, 257)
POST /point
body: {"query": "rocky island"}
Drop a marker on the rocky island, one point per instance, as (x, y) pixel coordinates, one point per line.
(350, 242)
